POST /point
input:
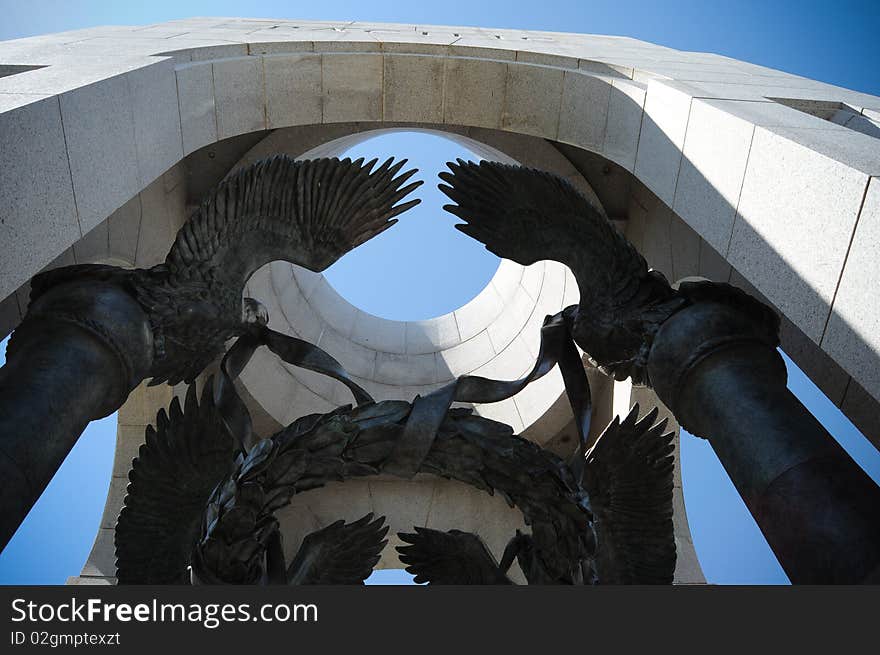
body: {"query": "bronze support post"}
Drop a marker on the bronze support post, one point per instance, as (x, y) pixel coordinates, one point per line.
(819, 511)
(78, 354)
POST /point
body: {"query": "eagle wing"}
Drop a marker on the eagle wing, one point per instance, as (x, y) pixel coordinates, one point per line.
(309, 212)
(340, 554)
(180, 463)
(449, 558)
(528, 215)
(628, 476)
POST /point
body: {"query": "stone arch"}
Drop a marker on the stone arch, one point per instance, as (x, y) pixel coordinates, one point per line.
(698, 133)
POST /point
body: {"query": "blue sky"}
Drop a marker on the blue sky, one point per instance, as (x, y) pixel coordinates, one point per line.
(435, 269)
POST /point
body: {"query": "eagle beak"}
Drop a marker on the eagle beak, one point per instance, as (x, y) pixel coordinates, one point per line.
(253, 312)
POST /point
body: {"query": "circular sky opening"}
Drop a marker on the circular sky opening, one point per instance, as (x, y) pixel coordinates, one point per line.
(422, 267)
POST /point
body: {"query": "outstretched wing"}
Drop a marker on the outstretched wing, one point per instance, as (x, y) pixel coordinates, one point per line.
(181, 462)
(340, 554)
(628, 477)
(308, 212)
(449, 558)
(528, 215)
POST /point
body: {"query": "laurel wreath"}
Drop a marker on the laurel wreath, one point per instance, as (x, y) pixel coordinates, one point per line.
(356, 442)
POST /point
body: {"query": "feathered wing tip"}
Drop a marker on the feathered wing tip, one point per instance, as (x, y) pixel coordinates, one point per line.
(180, 463)
(341, 554)
(628, 476)
(309, 212)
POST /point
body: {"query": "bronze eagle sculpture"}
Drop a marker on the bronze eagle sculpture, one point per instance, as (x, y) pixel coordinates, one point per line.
(308, 212)
(628, 479)
(529, 215)
(198, 510)
(182, 461)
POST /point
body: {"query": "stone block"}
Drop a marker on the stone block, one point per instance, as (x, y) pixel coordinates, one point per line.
(712, 265)
(532, 100)
(201, 51)
(129, 439)
(10, 101)
(716, 150)
(411, 370)
(479, 312)
(534, 401)
(90, 580)
(404, 503)
(546, 59)
(281, 276)
(123, 227)
(504, 411)
(306, 279)
(352, 86)
(511, 321)
(156, 111)
(379, 333)
(533, 279)
(319, 508)
(551, 301)
(791, 194)
(687, 566)
(34, 226)
(685, 247)
(99, 130)
(279, 392)
(239, 96)
(143, 403)
(657, 246)
(102, 558)
(466, 356)
(768, 113)
(321, 385)
(334, 310)
(293, 90)
(296, 400)
(256, 46)
(662, 137)
(431, 335)
(162, 215)
(94, 246)
(511, 363)
(462, 507)
(414, 88)
(482, 47)
(849, 147)
(198, 122)
(474, 92)
(115, 496)
(355, 359)
(626, 102)
(66, 258)
(301, 317)
(584, 112)
(852, 337)
(507, 278)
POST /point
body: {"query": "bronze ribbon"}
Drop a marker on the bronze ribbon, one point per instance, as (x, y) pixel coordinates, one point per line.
(557, 348)
(294, 351)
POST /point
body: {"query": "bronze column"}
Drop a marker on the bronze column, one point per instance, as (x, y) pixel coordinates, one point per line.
(725, 381)
(79, 352)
